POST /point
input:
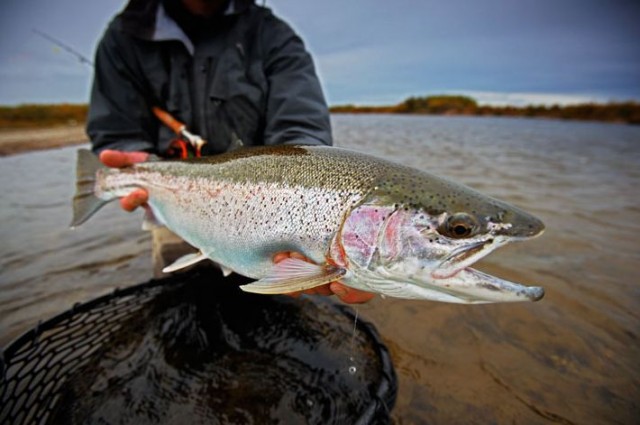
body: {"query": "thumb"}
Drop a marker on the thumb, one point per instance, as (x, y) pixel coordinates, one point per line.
(350, 295)
(134, 200)
(119, 159)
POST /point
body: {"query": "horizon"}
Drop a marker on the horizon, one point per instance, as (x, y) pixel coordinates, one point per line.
(497, 103)
(372, 53)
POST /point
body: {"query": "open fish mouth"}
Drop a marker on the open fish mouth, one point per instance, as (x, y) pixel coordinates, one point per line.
(454, 275)
(464, 256)
(473, 286)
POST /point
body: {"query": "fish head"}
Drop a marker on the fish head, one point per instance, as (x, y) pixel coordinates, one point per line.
(419, 240)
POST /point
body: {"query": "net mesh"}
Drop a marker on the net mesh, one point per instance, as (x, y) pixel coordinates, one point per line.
(41, 369)
(36, 365)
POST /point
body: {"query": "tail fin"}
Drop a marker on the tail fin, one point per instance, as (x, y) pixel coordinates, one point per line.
(85, 202)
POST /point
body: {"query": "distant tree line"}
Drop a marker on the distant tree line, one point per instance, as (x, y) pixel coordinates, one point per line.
(42, 115)
(624, 112)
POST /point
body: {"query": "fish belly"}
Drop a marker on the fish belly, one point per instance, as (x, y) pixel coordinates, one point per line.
(242, 226)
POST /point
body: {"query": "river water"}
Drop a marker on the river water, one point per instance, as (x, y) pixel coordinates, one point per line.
(572, 358)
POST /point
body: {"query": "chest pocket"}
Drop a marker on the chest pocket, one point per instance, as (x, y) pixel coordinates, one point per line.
(236, 98)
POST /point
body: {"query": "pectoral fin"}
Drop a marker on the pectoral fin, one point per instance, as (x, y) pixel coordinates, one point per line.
(293, 275)
(185, 261)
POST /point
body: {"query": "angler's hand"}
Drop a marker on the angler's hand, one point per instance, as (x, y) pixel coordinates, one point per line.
(119, 159)
(345, 293)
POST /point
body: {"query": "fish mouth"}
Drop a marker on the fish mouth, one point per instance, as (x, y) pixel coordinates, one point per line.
(455, 277)
(475, 287)
(462, 257)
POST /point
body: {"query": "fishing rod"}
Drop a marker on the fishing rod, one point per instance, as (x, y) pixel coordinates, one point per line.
(83, 59)
(165, 117)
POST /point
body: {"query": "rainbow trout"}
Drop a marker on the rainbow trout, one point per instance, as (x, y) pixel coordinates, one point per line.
(370, 223)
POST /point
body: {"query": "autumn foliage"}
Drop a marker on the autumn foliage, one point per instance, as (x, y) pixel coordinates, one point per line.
(625, 112)
(41, 115)
(44, 115)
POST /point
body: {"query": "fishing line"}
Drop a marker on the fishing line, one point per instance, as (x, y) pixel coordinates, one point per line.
(352, 367)
(83, 59)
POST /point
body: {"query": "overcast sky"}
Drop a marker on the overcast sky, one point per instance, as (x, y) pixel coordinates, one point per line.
(375, 51)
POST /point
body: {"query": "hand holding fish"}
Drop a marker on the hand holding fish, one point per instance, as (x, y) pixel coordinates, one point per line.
(120, 159)
(345, 293)
(139, 197)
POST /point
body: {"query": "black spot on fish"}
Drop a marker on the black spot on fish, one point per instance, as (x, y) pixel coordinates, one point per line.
(489, 286)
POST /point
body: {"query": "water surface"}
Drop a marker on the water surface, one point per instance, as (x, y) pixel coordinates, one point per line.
(570, 358)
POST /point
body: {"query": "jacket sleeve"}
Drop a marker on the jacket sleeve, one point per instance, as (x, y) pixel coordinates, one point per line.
(119, 114)
(296, 109)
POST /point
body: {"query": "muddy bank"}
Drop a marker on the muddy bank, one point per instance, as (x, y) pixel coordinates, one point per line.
(13, 141)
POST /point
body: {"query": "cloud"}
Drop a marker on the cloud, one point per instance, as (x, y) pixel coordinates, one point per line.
(380, 52)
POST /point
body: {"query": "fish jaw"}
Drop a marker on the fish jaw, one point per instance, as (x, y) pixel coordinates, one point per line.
(454, 275)
(465, 255)
(409, 280)
(475, 287)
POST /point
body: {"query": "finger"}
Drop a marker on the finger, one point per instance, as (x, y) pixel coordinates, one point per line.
(289, 254)
(134, 200)
(119, 159)
(298, 256)
(280, 256)
(322, 290)
(350, 295)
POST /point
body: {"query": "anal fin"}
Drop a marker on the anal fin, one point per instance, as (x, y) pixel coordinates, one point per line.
(185, 261)
(226, 271)
(150, 222)
(293, 275)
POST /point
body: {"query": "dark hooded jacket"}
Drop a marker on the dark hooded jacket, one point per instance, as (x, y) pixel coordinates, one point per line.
(244, 74)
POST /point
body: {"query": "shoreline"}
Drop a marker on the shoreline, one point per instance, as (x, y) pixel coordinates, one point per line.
(20, 140)
(17, 140)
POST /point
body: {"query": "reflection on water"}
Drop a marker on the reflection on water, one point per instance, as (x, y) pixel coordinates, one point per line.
(570, 358)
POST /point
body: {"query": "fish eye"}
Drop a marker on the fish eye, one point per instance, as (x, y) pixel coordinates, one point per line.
(459, 226)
